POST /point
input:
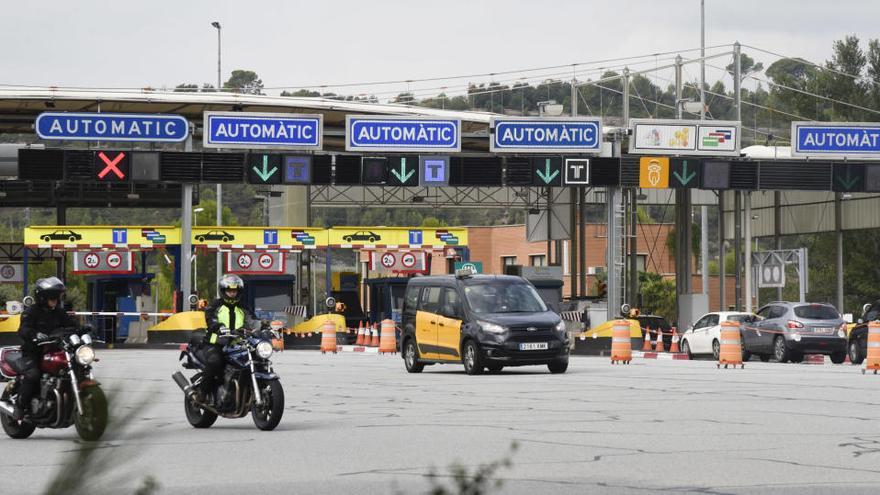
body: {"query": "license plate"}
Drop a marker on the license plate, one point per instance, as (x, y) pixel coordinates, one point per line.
(823, 330)
(533, 346)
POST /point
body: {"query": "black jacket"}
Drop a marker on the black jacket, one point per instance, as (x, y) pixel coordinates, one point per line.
(214, 323)
(37, 319)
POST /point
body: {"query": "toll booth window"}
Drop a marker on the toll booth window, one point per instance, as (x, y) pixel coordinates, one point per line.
(397, 297)
(412, 297)
(430, 300)
(504, 298)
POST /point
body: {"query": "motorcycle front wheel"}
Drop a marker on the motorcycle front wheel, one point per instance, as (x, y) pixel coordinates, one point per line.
(90, 425)
(268, 414)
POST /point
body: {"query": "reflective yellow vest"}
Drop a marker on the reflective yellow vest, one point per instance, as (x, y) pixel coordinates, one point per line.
(228, 319)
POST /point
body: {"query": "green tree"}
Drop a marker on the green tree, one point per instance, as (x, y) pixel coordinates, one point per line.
(244, 81)
(657, 295)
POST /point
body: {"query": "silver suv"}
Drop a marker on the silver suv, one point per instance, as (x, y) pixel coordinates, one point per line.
(786, 331)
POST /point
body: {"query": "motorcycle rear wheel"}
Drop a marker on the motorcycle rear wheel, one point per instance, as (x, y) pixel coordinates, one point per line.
(92, 423)
(15, 429)
(197, 417)
(268, 414)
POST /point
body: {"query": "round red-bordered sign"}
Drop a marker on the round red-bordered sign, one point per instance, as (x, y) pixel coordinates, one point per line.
(92, 260)
(244, 260)
(266, 261)
(114, 260)
(388, 260)
(408, 260)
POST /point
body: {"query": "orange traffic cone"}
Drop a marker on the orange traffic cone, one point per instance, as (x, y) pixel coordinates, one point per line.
(328, 337)
(387, 341)
(658, 346)
(360, 339)
(375, 340)
(872, 360)
(674, 346)
(647, 335)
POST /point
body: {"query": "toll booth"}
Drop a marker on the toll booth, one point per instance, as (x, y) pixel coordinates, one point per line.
(268, 294)
(385, 296)
(124, 293)
(546, 279)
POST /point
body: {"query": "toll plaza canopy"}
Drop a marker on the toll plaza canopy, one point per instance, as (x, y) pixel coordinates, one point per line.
(232, 238)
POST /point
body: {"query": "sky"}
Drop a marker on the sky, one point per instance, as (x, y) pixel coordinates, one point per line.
(161, 43)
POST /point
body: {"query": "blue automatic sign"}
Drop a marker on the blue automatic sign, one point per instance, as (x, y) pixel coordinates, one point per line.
(838, 139)
(262, 130)
(401, 134)
(567, 135)
(111, 127)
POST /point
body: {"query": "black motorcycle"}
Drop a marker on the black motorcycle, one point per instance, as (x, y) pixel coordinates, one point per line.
(69, 394)
(249, 383)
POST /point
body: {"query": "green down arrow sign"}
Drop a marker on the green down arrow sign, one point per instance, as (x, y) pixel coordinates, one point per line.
(546, 176)
(265, 174)
(684, 178)
(403, 175)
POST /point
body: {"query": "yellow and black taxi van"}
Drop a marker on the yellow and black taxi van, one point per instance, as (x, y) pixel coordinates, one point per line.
(481, 321)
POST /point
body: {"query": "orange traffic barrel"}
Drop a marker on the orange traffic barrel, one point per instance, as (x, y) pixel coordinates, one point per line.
(621, 342)
(731, 345)
(872, 360)
(387, 339)
(328, 337)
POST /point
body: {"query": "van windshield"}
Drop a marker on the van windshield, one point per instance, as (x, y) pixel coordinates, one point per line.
(503, 298)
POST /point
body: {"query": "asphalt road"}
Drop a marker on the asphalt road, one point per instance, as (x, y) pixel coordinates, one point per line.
(360, 424)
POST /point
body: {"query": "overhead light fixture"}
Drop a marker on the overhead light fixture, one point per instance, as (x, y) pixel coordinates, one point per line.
(133, 196)
(534, 211)
(2, 194)
(49, 104)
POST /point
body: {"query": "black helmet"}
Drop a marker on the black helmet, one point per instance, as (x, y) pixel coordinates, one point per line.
(48, 288)
(231, 282)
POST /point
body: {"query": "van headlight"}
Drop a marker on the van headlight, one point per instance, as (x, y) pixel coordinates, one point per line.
(560, 327)
(264, 349)
(85, 355)
(492, 327)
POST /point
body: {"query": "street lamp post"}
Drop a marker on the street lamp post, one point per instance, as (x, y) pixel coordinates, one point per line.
(219, 186)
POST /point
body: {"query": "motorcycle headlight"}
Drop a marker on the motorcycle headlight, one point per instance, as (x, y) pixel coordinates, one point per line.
(264, 350)
(492, 327)
(74, 339)
(87, 339)
(85, 355)
(560, 327)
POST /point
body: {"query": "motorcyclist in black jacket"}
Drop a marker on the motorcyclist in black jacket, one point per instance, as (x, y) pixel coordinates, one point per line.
(224, 315)
(38, 323)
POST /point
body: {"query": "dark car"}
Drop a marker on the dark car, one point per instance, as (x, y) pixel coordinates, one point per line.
(858, 336)
(215, 235)
(481, 321)
(362, 235)
(786, 331)
(62, 235)
(651, 324)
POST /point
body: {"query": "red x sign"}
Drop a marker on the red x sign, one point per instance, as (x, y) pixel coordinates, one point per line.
(111, 165)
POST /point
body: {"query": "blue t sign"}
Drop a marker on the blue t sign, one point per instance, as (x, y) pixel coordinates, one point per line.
(270, 237)
(433, 170)
(120, 236)
(297, 169)
(415, 237)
